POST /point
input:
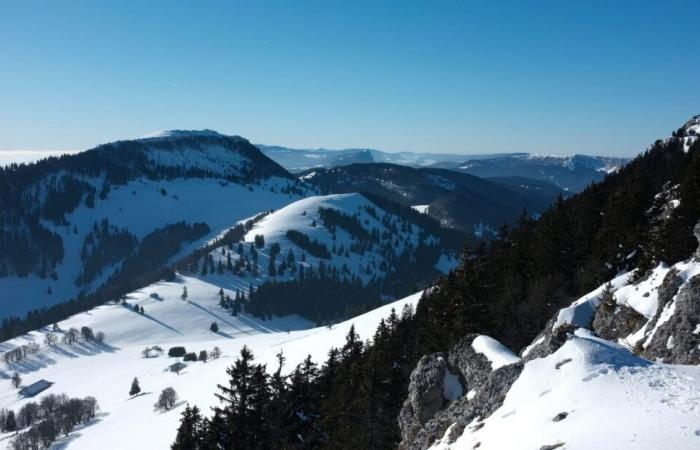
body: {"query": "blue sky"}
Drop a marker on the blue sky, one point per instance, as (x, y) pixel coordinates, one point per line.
(594, 77)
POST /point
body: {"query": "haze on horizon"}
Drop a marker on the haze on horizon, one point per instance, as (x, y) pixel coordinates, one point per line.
(602, 78)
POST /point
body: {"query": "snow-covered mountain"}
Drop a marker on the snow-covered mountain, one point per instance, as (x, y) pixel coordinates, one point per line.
(69, 224)
(295, 255)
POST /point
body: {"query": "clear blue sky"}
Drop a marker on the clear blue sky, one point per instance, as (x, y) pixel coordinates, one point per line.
(595, 77)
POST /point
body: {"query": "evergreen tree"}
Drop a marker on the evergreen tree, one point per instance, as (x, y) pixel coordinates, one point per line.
(191, 435)
(214, 327)
(135, 388)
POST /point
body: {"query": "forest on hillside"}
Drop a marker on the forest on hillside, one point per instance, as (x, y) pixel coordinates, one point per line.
(508, 290)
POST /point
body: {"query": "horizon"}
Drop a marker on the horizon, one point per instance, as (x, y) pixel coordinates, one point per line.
(456, 78)
(29, 156)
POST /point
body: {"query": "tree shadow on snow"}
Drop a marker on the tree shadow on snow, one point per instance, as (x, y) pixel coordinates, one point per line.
(197, 305)
(140, 394)
(63, 442)
(163, 324)
(43, 359)
(175, 406)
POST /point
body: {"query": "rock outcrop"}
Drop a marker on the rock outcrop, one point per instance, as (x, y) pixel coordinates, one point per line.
(675, 338)
(548, 341)
(432, 407)
(613, 321)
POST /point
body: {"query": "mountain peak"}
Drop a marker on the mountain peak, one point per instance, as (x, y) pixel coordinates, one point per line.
(183, 133)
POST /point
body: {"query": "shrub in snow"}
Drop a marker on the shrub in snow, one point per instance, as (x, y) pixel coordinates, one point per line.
(190, 357)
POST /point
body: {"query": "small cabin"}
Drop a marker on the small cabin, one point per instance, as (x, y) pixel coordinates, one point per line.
(35, 388)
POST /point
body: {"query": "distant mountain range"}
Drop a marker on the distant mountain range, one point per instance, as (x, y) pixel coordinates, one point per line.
(458, 200)
(571, 173)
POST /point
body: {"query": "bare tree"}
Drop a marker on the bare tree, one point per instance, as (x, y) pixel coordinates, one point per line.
(16, 380)
(71, 336)
(167, 399)
(86, 333)
(50, 339)
(215, 352)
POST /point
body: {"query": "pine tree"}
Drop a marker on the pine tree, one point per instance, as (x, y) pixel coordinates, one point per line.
(135, 388)
(214, 327)
(242, 399)
(184, 293)
(10, 421)
(191, 435)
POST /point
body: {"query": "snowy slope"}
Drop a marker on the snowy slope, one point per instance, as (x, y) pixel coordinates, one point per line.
(602, 396)
(303, 216)
(592, 393)
(105, 371)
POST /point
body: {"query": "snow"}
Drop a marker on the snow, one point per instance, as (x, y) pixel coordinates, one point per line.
(182, 133)
(423, 209)
(494, 351)
(105, 370)
(643, 297)
(613, 400)
(581, 312)
(534, 344)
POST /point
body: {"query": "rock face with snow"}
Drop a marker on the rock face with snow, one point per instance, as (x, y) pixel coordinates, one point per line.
(449, 390)
(614, 321)
(676, 340)
(631, 341)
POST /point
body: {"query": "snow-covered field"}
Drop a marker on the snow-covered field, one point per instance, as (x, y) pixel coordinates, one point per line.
(105, 370)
